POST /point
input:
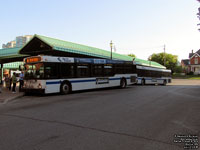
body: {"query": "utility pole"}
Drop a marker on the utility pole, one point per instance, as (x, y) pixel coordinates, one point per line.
(164, 56)
(1, 71)
(111, 44)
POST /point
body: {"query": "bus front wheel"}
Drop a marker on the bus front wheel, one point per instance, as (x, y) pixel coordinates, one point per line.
(65, 88)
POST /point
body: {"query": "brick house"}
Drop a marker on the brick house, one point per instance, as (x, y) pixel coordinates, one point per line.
(185, 65)
(193, 63)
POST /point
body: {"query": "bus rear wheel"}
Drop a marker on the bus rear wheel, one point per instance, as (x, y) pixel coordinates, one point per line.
(65, 88)
(123, 83)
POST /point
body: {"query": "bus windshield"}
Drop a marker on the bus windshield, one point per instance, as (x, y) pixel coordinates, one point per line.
(34, 71)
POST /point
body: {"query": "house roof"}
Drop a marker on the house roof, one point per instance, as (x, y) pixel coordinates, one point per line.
(185, 61)
(192, 54)
(69, 47)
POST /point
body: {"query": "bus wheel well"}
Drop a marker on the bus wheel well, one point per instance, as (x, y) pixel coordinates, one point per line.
(65, 87)
(143, 81)
(164, 82)
(123, 82)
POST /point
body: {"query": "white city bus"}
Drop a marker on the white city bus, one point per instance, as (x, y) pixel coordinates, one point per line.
(152, 75)
(49, 74)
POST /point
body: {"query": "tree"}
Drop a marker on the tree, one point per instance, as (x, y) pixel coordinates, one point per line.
(132, 55)
(178, 69)
(171, 60)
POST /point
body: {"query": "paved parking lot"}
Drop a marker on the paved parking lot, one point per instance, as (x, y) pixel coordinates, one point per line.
(135, 118)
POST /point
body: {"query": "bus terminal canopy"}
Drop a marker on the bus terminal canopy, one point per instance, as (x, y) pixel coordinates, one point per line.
(8, 55)
(42, 45)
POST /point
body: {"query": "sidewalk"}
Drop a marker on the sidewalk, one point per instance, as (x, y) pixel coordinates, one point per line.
(6, 95)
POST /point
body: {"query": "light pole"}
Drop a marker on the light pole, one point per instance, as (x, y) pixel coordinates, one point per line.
(150, 61)
(164, 56)
(111, 44)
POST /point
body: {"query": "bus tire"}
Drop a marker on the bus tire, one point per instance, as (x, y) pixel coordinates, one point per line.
(123, 83)
(143, 82)
(65, 88)
(164, 83)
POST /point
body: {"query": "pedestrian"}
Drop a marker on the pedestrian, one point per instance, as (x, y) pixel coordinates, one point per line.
(21, 81)
(14, 81)
(10, 83)
(1, 86)
(7, 81)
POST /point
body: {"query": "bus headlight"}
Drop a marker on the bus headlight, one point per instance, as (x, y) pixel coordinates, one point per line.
(39, 86)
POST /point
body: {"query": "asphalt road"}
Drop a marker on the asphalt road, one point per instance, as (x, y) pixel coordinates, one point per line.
(135, 118)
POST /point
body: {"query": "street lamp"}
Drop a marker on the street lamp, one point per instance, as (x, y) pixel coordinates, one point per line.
(111, 44)
(164, 56)
(149, 60)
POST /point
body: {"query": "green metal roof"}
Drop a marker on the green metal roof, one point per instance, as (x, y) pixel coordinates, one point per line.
(91, 51)
(14, 65)
(10, 53)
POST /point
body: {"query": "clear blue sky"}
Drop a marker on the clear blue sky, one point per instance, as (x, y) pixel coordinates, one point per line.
(134, 26)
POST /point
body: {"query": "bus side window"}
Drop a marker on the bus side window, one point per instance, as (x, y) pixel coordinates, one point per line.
(67, 70)
(51, 71)
(128, 69)
(83, 71)
(108, 70)
(97, 70)
(133, 68)
(119, 68)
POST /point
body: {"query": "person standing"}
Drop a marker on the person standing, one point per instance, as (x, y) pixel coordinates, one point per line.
(1, 86)
(7, 81)
(14, 81)
(10, 83)
(21, 81)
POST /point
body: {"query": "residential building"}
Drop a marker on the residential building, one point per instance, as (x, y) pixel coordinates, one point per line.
(185, 65)
(193, 63)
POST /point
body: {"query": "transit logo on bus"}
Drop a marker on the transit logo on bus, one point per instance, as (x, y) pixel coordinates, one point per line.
(99, 61)
(65, 59)
(154, 80)
(102, 80)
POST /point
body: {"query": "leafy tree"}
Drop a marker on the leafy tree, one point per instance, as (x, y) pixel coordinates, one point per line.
(178, 69)
(132, 55)
(171, 60)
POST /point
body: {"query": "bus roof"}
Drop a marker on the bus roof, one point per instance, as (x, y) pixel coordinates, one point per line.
(55, 59)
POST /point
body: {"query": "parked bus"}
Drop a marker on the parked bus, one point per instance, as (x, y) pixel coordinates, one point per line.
(152, 75)
(49, 74)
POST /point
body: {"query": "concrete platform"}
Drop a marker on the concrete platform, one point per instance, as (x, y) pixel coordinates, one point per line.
(6, 95)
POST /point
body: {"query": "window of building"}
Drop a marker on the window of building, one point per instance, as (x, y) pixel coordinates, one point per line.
(196, 60)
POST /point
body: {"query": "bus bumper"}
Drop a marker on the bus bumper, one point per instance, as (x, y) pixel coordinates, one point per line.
(34, 91)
